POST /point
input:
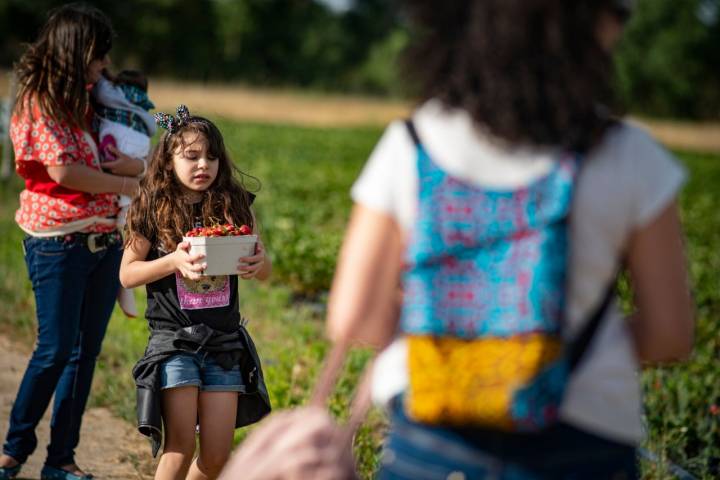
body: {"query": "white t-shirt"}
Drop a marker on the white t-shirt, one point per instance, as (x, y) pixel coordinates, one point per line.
(624, 183)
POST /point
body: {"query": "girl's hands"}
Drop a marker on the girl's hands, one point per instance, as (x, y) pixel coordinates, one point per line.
(186, 263)
(190, 267)
(249, 267)
(123, 164)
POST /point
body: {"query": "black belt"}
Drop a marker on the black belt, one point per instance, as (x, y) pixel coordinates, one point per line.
(95, 242)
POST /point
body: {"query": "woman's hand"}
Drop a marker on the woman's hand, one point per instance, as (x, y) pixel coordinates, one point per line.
(256, 265)
(186, 263)
(293, 445)
(123, 164)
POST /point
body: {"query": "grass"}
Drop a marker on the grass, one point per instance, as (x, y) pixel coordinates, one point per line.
(682, 401)
(302, 207)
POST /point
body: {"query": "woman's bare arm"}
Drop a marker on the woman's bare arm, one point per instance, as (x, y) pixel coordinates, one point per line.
(86, 179)
(363, 303)
(664, 324)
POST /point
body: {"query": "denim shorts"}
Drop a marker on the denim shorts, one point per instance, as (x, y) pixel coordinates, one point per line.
(199, 370)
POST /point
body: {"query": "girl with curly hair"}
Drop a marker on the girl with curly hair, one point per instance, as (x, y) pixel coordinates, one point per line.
(200, 368)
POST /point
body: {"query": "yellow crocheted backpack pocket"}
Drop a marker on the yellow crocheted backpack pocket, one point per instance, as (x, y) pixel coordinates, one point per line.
(473, 382)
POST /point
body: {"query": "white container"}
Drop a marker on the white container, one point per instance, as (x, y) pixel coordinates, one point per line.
(222, 253)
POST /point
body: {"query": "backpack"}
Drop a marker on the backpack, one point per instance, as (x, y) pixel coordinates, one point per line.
(484, 286)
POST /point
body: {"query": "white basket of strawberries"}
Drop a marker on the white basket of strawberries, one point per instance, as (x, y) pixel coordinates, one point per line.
(223, 245)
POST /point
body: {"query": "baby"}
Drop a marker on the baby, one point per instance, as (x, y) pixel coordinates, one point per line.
(124, 122)
(122, 112)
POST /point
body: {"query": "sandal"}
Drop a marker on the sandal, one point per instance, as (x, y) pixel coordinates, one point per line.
(52, 473)
(6, 473)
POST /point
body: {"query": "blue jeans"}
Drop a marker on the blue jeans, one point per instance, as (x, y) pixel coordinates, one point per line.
(75, 292)
(562, 452)
(199, 370)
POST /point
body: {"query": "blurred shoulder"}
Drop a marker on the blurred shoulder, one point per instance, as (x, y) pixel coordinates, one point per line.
(629, 143)
(632, 171)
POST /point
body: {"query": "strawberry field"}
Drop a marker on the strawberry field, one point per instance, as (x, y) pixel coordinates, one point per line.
(302, 206)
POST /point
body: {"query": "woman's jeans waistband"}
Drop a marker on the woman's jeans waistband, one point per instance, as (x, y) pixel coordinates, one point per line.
(416, 451)
(95, 242)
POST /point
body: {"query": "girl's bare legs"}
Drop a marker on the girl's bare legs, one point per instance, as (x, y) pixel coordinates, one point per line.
(217, 424)
(180, 408)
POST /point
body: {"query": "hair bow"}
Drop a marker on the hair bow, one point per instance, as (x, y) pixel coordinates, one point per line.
(173, 123)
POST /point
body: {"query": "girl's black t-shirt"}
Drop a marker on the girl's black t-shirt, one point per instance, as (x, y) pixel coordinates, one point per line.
(174, 301)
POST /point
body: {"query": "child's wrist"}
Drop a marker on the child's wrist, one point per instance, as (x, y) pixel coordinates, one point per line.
(173, 260)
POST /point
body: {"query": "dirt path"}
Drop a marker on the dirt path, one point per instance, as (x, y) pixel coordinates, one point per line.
(110, 448)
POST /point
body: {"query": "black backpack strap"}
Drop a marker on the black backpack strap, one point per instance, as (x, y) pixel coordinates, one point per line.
(579, 346)
(413, 132)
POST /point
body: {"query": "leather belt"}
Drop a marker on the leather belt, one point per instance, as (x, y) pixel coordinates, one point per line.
(95, 242)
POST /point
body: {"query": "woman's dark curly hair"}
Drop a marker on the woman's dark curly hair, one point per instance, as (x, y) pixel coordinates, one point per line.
(527, 71)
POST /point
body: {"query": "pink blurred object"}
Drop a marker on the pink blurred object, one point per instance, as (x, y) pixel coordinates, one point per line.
(126, 301)
(105, 153)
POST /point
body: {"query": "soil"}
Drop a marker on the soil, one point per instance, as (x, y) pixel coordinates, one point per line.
(110, 448)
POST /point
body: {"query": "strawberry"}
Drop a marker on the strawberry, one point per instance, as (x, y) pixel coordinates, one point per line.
(218, 230)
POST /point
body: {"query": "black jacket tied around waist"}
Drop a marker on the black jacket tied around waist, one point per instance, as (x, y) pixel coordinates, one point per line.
(227, 349)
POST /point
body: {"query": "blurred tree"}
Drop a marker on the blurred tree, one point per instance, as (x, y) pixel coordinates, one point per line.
(177, 38)
(278, 42)
(366, 24)
(20, 22)
(381, 72)
(376, 38)
(234, 26)
(290, 42)
(668, 63)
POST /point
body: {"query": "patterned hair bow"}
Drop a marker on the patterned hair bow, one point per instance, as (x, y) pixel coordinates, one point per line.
(173, 124)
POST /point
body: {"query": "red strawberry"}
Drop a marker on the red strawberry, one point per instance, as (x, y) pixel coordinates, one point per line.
(219, 230)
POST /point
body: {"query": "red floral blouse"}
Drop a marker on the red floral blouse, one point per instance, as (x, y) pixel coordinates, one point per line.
(47, 207)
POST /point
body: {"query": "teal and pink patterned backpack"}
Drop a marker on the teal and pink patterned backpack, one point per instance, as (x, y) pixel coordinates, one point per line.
(485, 299)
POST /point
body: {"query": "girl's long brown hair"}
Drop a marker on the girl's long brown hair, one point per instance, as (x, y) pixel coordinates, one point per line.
(52, 71)
(159, 213)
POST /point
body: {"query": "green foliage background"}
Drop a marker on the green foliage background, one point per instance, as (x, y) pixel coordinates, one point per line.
(668, 64)
(268, 42)
(303, 205)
